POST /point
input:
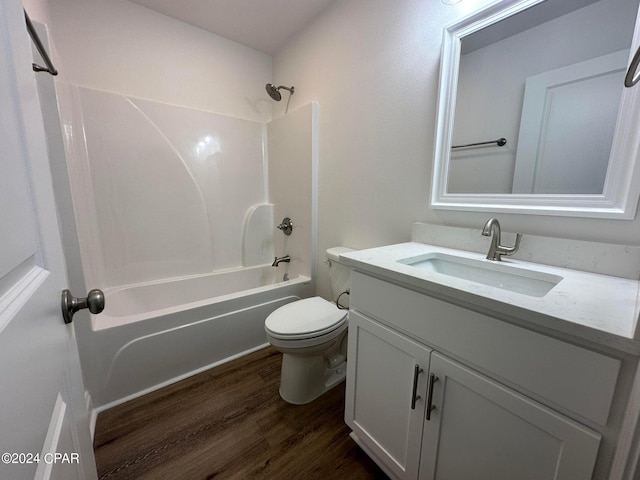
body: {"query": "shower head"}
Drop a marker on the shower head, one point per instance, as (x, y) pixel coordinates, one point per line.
(274, 93)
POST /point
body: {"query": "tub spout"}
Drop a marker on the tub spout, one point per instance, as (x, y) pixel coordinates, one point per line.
(279, 260)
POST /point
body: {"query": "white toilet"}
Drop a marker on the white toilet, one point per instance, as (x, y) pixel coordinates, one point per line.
(312, 335)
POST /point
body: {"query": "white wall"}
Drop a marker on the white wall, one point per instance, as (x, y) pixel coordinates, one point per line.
(373, 66)
(121, 47)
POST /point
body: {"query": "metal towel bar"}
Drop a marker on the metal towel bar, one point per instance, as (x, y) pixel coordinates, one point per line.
(501, 142)
(41, 50)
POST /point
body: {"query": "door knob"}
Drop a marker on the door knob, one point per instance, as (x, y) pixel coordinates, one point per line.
(70, 304)
(633, 76)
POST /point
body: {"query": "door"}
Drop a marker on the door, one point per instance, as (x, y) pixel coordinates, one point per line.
(567, 127)
(481, 429)
(45, 428)
(385, 393)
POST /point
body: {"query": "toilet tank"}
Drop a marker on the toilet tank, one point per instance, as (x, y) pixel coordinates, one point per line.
(339, 274)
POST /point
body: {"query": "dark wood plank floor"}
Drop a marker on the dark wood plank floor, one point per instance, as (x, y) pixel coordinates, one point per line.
(230, 423)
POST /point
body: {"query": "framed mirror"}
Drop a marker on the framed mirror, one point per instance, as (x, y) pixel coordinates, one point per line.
(533, 116)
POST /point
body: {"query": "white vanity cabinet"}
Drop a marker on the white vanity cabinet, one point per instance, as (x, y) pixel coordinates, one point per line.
(481, 429)
(386, 391)
(505, 399)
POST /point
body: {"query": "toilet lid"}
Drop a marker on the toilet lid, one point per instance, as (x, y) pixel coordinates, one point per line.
(305, 317)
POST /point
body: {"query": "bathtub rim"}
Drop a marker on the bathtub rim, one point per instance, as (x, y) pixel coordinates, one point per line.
(103, 322)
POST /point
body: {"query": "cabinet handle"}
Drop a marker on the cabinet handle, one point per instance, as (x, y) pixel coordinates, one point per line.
(430, 407)
(416, 371)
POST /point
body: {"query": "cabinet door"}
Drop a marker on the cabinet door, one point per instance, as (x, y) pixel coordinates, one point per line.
(481, 429)
(384, 371)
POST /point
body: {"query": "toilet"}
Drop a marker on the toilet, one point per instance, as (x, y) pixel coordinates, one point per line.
(312, 336)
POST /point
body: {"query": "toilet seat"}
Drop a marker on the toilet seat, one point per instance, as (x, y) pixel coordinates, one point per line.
(308, 318)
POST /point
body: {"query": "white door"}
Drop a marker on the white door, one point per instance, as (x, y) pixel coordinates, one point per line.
(481, 429)
(385, 393)
(567, 127)
(44, 429)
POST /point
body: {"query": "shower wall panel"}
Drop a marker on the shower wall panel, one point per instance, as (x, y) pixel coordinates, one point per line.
(170, 185)
(293, 170)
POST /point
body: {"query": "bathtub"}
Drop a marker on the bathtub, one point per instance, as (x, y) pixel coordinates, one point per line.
(153, 334)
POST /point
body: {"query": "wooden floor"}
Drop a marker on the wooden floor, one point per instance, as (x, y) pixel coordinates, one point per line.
(230, 423)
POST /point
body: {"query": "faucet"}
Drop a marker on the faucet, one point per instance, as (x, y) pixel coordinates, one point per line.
(496, 251)
(279, 260)
(286, 226)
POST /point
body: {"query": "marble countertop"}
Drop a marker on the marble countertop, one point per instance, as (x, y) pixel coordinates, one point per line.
(598, 308)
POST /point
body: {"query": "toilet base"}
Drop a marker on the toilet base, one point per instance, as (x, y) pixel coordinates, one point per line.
(303, 379)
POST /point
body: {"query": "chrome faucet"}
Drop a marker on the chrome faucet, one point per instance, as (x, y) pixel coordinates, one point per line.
(496, 251)
(286, 226)
(279, 260)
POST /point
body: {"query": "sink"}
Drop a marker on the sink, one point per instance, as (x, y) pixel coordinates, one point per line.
(486, 272)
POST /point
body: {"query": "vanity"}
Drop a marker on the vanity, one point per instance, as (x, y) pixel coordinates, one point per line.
(460, 367)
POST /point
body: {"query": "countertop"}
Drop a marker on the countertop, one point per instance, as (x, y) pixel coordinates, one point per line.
(594, 307)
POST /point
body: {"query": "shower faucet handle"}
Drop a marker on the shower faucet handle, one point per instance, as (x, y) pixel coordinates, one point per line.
(286, 226)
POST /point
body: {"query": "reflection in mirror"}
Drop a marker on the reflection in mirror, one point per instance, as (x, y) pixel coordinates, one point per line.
(549, 80)
(496, 99)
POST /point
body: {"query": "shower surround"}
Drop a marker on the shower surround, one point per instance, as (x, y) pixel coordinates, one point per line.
(171, 187)
(176, 224)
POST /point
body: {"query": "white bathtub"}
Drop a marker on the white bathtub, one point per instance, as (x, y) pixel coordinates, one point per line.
(153, 334)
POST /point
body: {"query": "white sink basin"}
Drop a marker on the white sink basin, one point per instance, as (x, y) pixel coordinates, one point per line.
(486, 272)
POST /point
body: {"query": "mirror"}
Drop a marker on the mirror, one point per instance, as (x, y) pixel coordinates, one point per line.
(533, 116)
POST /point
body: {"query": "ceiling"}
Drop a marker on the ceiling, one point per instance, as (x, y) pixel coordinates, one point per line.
(518, 23)
(264, 25)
